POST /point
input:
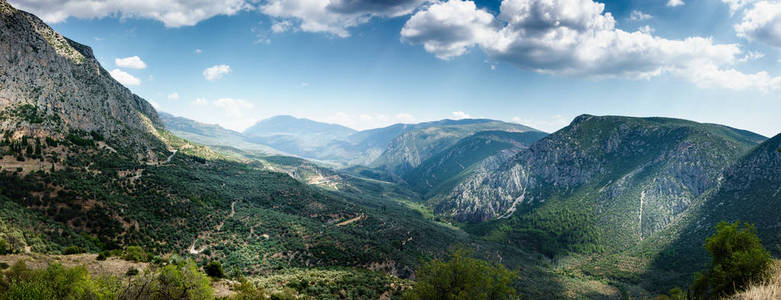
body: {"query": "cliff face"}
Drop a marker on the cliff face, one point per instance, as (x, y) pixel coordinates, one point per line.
(636, 175)
(50, 85)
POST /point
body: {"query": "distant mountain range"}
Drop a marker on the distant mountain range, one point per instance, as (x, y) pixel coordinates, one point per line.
(606, 207)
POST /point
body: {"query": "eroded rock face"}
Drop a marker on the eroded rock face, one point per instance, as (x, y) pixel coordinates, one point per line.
(50, 85)
(640, 175)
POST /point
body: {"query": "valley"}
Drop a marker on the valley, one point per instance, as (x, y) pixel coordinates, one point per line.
(608, 207)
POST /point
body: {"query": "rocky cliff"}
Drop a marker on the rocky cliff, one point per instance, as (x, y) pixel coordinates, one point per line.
(51, 85)
(635, 176)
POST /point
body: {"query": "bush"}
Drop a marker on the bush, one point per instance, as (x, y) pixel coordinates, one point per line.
(738, 259)
(73, 250)
(134, 253)
(214, 270)
(5, 248)
(131, 272)
(462, 277)
(103, 255)
(182, 281)
(246, 290)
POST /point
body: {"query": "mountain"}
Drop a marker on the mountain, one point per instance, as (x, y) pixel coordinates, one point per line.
(302, 137)
(409, 149)
(212, 135)
(442, 171)
(749, 190)
(600, 183)
(53, 86)
(86, 163)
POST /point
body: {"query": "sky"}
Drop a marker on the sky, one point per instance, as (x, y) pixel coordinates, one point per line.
(371, 63)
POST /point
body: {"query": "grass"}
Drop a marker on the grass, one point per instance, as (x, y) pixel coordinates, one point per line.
(769, 290)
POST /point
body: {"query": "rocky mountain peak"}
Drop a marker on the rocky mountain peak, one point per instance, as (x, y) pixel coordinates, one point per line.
(51, 86)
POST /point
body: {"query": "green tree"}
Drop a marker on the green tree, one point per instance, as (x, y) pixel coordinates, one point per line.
(214, 269)
(463, 277)
(738, 259)
(182, 281)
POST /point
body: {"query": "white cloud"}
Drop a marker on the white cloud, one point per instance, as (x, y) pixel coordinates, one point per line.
(637, 15)
(735, 5)
(173, 96)
(124, 78)
(239, 114)
(457, 115)
(550, 124)
(198, 51)
(751, 55)
(405, 117)
(762, 23)
(572, 38)
(675, 3)
(216, 72)
(133, 62)
(281, 26)
(200, 102)
(646, 29)
(448, 29)
(173, 13)
(332, 16)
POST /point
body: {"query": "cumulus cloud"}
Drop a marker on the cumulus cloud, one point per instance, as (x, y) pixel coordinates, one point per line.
(762, 23)
(124, 78)
(735, 5)
(173, 13)
(133, 62)
(216, 72)
(458, 115)
(198, 51)
(572, 38)
(332, 16)
(173, 96)
(637, 15)
(675, 3)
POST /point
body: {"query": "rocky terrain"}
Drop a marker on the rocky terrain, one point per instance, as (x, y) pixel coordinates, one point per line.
(50, 86)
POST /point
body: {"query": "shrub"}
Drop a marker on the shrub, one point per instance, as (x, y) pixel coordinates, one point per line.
(738, 259)
(131, 272)
(246, 290)
(214, 270)
(73, 250)
(134, 253)
(5, 248)
(103, 255)
(462, 277)
(182, 281)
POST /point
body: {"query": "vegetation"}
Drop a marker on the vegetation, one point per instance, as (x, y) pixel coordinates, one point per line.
(214, 269)
(180, 280)
(738, 259)
(463, 277)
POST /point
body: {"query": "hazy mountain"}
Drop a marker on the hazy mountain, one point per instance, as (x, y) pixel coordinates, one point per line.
(297, 136)
(409, 149)
(212, 135)
(443, 171)
(601, 182)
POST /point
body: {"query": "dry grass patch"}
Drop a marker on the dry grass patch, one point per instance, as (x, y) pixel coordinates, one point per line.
(770, 290)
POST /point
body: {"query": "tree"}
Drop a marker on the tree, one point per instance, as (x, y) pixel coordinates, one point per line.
(182, 281)
(738, 259)
(214, 270)
(463, 277)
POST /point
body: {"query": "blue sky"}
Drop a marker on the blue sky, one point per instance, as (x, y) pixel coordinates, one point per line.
(367, 64)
